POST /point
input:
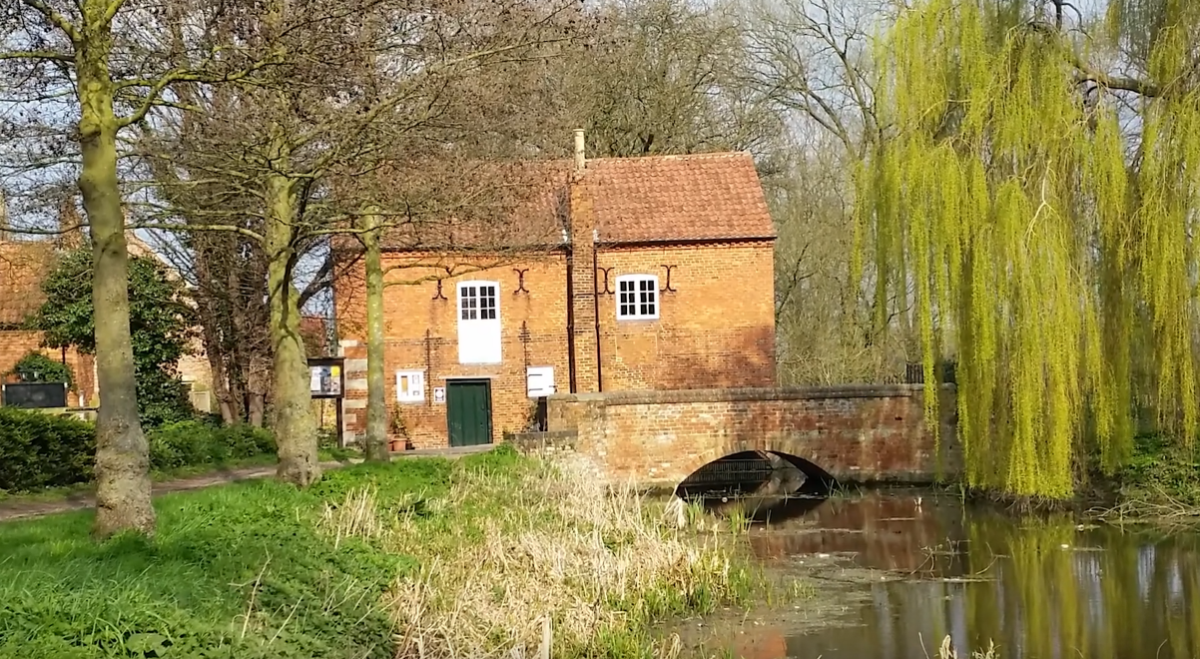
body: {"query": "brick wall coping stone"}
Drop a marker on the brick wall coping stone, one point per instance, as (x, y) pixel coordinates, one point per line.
(753, 395)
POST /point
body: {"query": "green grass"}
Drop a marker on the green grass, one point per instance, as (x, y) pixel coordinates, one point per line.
(235, 571)
(470, 553)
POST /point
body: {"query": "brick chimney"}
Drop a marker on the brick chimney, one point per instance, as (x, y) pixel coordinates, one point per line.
(70, 225)
(583, 274)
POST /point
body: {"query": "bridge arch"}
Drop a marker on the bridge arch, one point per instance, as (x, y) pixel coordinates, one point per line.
(763, 485)
(744, 471)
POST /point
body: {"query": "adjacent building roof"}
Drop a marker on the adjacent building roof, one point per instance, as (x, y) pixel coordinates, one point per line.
(652, 199)
(23, 267)
(25, 264)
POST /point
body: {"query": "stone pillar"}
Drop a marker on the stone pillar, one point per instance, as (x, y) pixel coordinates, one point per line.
(354, 404)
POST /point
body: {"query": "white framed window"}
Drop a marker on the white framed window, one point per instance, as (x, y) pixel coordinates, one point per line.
(479, 322)
(637, 297)
(410, 386)
(539, 381)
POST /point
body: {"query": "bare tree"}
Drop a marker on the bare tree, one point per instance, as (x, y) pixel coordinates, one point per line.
(377, 77)
(104, 64)
(812, 61)
(647, 77)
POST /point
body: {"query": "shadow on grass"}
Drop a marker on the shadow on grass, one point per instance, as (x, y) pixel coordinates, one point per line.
(234, 571)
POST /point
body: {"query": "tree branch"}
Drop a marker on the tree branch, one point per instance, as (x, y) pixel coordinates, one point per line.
(37, 55)
(225, 228)
(180, 75)
(57, 19)
(113, 8)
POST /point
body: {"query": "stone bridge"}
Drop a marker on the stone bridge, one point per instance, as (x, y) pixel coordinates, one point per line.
(856, 434)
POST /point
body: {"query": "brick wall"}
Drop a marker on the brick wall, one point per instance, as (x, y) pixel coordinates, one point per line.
(716, 329)
(857, 434)
(421, 333)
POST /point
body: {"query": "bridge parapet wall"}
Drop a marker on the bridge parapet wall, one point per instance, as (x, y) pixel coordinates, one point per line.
(869, 433)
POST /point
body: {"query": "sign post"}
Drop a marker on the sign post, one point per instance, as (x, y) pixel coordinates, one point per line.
(327, 379)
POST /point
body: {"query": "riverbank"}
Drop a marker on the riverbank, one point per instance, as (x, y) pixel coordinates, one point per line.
(485, 556)
(1160, 484)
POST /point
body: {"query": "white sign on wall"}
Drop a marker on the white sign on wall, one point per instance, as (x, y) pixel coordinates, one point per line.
(410, 386)
(539, 381)
(439, 394)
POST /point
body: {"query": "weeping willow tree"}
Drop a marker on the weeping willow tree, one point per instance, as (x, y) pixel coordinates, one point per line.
(1049, 245)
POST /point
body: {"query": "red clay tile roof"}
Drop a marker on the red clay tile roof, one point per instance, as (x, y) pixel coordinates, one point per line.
(23, 267)
(653, 199)
(678, 198)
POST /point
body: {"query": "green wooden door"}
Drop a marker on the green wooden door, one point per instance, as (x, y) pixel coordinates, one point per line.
(469, 412)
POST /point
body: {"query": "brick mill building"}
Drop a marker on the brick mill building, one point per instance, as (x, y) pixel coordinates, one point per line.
(643, 273)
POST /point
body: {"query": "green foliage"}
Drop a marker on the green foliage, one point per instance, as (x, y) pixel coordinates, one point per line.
(234, 572)
(162, 398)
(38, 450)
(1037, 251)
(192, 443)
(160, 324)
(1160, 470)
(37, 367)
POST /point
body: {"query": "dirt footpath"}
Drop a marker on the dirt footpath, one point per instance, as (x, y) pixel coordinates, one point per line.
(15, 510)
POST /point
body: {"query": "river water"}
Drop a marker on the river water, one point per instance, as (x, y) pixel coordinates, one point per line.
(896, 572)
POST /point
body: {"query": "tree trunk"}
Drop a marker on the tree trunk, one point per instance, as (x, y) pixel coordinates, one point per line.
(210, 334)
(293, 420)
(376, 447)
(122, 455)
(256, 410)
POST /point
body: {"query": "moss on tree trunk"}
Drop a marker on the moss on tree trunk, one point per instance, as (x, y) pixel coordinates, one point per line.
(293, 421)
(122, 455)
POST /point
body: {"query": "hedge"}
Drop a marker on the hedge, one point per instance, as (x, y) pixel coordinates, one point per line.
(190, 443)
(39, 450)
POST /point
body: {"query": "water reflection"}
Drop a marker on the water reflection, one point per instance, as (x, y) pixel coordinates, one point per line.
(1042, 588)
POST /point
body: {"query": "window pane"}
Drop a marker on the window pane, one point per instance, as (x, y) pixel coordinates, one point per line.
(487, 303)
(637, 297)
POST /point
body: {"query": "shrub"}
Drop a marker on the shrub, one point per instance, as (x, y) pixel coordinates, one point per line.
(162, 399)
(36, 367)
(192, 443)
(38, 450)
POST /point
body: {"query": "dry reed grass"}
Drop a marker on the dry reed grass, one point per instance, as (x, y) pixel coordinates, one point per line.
(540, 561)
(947, 651)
